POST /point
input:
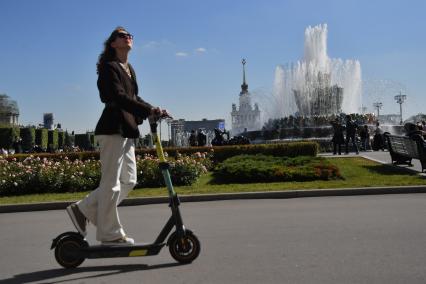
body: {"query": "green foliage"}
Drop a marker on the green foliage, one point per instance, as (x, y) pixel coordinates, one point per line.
(52, 140)
(41, 137)
(28, 138)
(184, 170)
(45, 175)
(221, 153)
(83, 141)
(262, 168)
(291, 149)
(216, 154)
(8, 136)
(61, 139)
(68, 142)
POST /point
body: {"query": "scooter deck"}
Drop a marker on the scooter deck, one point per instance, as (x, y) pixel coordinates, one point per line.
(104, 251)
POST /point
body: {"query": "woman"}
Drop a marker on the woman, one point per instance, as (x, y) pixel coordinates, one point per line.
(116, 130)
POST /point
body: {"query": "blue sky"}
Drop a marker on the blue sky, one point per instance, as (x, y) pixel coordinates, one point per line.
(187, 53)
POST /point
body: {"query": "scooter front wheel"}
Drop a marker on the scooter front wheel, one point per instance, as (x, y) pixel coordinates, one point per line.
(67, 251)
(184, 249)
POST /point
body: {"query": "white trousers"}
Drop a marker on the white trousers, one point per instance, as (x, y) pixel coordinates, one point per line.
(118, 177)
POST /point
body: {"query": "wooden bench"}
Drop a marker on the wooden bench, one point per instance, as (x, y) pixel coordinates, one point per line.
(403, 149)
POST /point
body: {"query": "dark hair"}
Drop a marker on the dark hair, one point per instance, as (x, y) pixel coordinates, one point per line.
(108, 53)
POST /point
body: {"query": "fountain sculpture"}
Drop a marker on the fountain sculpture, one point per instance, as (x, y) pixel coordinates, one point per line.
(317, 85)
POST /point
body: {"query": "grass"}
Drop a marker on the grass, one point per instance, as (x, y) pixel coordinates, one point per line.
(357, 172)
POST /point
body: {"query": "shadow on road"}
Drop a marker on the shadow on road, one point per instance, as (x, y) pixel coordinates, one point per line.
(45, 275)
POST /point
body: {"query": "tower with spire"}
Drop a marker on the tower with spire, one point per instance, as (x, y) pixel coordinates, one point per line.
(246, 117)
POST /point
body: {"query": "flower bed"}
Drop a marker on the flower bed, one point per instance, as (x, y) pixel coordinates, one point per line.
(262, 168)
(44, 175)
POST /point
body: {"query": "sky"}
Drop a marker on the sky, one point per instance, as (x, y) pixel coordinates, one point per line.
(187, 54)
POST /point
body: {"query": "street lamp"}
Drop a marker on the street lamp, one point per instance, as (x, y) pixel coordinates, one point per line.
(378, 105)
(400, 100)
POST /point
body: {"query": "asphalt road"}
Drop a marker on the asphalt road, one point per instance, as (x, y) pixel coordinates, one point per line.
(356, 239)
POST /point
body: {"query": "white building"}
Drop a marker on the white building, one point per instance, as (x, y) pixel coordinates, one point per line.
(246, 117)
(9, 111)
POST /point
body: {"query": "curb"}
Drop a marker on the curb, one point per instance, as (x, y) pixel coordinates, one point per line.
(229, 196)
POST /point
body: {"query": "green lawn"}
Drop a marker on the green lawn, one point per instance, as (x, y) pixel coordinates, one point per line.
(357, 172)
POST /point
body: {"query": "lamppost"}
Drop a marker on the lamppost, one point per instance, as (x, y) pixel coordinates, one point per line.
(169, 121)
(378, 105)
(400, 100)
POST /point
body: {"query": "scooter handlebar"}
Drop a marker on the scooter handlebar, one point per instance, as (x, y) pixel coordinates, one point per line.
(157, 115)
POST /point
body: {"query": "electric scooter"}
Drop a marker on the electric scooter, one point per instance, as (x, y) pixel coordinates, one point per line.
(71, 248)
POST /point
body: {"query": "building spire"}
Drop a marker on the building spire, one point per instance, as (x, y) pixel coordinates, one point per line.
(244, 86)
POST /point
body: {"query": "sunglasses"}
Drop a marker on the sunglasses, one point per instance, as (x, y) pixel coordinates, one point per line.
(125, 35)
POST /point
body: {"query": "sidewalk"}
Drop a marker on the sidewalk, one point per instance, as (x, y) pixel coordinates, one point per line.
(379, 156)
(382, 157)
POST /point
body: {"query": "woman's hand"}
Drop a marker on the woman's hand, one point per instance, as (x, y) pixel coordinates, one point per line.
(165, 114)
(157, 113)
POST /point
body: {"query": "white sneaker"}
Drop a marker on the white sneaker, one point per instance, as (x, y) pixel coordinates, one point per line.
(77, 218)
(123, 241)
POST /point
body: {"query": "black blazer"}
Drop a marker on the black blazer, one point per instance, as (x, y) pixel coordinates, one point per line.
(124, 109)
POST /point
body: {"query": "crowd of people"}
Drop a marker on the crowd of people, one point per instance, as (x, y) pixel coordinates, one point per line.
(197, 138)
(350, 133)
(221, 138)
(314, 121)
(358, 137)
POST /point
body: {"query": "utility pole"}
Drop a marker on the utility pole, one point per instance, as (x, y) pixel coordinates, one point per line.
(400, 100)
(378, 105)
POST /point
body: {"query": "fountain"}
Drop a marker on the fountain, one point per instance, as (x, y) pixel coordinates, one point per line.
(317, 85)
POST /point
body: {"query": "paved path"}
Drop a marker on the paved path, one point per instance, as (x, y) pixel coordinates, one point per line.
(378, 156)
(358, 239)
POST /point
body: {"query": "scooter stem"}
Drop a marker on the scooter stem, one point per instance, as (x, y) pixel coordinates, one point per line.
(164, 165)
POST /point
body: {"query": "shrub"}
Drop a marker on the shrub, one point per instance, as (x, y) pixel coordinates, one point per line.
(184, 170)
(28, 138)
(41, 137)
(291, 149)
(262, 168)
(52, 139)
(61, 139)
(43, 175)
(216, 154)
(83, 141)
(7, 136)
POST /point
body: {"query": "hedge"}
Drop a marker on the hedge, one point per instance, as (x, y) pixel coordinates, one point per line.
(263, 168)
(28, 138)
(7, 136)
(61, 139)
(36, 175)
(52, 140)
(219, 153)
(83, 141)
(41, 137)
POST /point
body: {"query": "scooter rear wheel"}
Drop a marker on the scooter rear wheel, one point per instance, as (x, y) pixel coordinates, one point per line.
(184, 249)
(66, 251)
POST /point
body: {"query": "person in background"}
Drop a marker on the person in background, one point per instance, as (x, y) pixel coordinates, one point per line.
(338, 138)
(116, 131)
(365, 137)
(378, 139)
(351, 129)
(193, 139)
(17, 145)
(201, 137)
